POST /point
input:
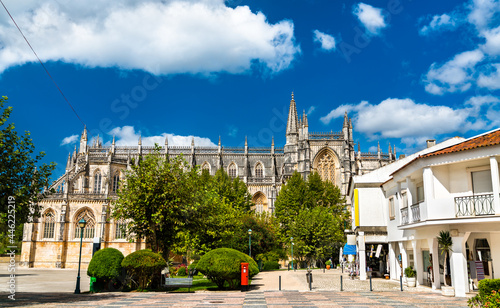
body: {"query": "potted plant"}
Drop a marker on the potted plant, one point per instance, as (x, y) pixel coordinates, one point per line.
(411, 275)
(328, 264)
(445, 242)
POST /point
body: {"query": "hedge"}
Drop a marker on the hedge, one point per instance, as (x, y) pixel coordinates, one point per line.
(106, 264)
(224, 265)
(270, 265)
(144, 264)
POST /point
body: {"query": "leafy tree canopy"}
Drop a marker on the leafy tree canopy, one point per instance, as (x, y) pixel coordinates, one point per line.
(22, 176)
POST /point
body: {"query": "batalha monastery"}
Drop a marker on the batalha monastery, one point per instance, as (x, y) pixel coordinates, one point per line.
(94, 172)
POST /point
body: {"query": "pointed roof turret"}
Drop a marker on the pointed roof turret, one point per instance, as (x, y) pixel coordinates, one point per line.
(272, 142)
(292, 126)
(359, 147)
(346, 119)
(140, 140)
(219, 140)
(246, 141)
(68, 163)
(113, 143)
(84, 134)
(192, 141)
(378, 146)
(166, 141)
(390, 148)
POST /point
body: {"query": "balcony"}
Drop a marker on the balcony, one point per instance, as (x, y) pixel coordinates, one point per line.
(476, 205)
(404, 216)
(415, 212)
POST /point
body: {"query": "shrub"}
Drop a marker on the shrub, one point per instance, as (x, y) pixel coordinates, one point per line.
(410, 272)
(486, 286)
(328, 262)
(105, 265)
(144, 264)
(489, 294)
(224, 264)
(181, 271)
(270, 265)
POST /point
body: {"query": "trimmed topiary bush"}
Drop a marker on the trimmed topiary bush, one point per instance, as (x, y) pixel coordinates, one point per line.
(181, 271)
(105, 265)
(224, 265)
(144, 264)
(270, 266)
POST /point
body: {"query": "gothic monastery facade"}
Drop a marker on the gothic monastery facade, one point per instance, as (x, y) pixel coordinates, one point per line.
(93, 174)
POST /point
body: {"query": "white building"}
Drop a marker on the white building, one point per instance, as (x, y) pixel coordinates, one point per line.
(452, 186)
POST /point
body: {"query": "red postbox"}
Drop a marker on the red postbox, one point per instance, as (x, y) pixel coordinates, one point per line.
(244, 276)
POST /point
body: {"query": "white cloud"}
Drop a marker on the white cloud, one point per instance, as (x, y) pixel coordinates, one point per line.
(491, 80)
(454, 75)
(70, 140)
(310, 110)
(482, 12)
(158, 36)
(327, 41)
(370, 17)
(127, 136)
(492, 45)
(413, 123)
(438, 22)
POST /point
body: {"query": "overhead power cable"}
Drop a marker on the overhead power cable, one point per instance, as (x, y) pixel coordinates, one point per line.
(41, 63)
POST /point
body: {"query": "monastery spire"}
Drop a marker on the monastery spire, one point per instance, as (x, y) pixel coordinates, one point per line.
(140, 140)
(346, 119)
(293, 119)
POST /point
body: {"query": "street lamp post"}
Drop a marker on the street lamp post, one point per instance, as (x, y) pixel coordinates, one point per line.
(291, 240)
(250, 242)
(81, 224)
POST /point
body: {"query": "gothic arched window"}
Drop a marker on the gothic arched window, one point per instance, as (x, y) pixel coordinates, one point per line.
(326, 167)
(116, 182)
(49, 222)
(121, 228)
(89, 230)
(205, 166)
(260, 202)
(232, 170)
(259, 171)
(97, 182)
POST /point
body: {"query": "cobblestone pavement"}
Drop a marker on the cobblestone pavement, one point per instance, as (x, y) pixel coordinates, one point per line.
(44, 288)
(252, 299)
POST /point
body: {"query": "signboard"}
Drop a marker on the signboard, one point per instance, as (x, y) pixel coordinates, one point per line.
(479, 270)
(379, 249)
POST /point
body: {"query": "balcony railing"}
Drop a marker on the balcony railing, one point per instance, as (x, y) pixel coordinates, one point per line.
(476, 205)
(415, 212)
(404, 216)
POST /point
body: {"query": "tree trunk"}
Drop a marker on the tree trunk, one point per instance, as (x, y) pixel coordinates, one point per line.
(445, 269)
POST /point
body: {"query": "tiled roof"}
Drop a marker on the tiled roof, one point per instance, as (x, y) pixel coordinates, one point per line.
(488, 139)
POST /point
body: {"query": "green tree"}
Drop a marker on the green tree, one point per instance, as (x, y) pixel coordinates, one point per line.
(222, 202)
(22, 176)
(289, 203)
(159, 199)
(313, 213)
(445, 243)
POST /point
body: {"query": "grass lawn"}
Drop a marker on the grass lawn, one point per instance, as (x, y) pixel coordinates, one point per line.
(199, 283)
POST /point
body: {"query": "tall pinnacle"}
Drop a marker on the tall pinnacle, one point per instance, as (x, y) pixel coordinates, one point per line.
(293, 119)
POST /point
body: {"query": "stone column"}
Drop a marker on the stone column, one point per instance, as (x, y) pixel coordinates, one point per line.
(428, 176)
(495, 183)
(417, 257)
(458, 264)
(362, 255)
(433, 248)
(393, 262)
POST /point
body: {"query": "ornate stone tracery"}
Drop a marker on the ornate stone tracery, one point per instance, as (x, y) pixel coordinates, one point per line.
(89, 230)
(325, 165)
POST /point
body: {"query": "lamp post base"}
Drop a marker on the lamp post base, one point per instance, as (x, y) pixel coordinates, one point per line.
(77, 289)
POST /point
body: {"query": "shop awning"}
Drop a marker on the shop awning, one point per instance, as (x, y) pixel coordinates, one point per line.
(349, 249)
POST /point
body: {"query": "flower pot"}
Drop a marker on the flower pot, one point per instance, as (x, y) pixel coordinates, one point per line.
(328, 267)
(411, 281)
(448, 291)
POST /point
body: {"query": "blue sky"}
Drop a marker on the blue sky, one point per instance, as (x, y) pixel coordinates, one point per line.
(405, 71)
